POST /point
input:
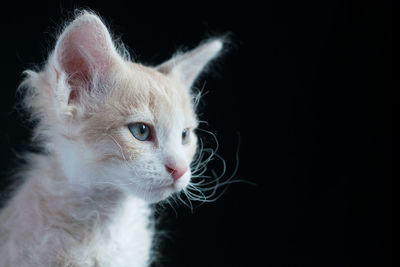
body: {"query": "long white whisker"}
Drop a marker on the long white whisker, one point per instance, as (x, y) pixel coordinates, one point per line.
(205, 188)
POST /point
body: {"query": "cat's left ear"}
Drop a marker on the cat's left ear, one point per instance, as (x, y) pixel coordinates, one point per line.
(189, 65)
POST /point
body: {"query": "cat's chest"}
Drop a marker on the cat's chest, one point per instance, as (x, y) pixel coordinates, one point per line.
(128, 239)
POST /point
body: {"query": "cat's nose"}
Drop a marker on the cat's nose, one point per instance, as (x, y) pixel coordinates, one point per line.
(176, 171)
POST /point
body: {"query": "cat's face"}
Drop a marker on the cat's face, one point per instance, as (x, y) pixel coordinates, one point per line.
(113, 122)
(143, 133)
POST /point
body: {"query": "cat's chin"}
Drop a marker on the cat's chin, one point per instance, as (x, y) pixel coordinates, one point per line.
(154, 194)
(157, 195)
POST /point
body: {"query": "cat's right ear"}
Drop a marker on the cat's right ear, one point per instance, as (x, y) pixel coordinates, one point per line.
(83, 51)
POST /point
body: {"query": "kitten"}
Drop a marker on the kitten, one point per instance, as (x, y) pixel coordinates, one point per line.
(117, 136)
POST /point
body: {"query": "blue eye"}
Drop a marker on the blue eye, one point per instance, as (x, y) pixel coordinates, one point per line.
(140, 131)
(185, 136)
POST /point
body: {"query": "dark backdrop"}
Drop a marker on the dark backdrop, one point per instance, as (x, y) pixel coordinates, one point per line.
(308, 87)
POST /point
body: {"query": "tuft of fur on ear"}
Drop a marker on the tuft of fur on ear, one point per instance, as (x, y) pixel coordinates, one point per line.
(187, 66)
(83, 51)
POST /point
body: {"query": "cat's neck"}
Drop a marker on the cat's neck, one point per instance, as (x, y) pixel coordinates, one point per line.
(100, 224)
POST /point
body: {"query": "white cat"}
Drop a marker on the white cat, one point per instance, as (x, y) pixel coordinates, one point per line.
(116, 136)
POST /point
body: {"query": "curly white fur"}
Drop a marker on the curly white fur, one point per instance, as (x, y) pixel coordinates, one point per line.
(85, 199)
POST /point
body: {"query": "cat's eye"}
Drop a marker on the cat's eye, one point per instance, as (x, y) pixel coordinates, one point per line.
(140, 131)
(185, 136)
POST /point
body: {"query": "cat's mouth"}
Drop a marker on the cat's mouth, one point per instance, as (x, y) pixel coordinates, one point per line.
(154, 189)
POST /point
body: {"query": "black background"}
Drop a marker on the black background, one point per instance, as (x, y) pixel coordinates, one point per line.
(308, 87)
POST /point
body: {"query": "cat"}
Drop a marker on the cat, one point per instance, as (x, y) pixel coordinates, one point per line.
(116, 137)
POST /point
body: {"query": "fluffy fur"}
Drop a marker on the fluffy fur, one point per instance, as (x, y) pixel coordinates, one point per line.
(85, 199)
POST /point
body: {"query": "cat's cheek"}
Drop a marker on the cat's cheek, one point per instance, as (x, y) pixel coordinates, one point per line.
(191, 149)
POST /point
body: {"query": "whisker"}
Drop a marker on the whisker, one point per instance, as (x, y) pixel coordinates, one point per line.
(206, 188)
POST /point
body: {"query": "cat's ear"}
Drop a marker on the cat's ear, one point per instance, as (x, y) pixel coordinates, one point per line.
(189, 65)
(83, 51)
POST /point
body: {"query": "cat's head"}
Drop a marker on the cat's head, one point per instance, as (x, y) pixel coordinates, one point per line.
(110, 121)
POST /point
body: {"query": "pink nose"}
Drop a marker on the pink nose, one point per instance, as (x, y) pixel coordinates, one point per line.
(176, 172)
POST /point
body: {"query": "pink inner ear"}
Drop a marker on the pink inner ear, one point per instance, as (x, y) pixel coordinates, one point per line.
(78, 71)
(83, 52)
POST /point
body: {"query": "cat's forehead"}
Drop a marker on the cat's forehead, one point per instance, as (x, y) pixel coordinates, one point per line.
(145, 78)
(143, 90)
